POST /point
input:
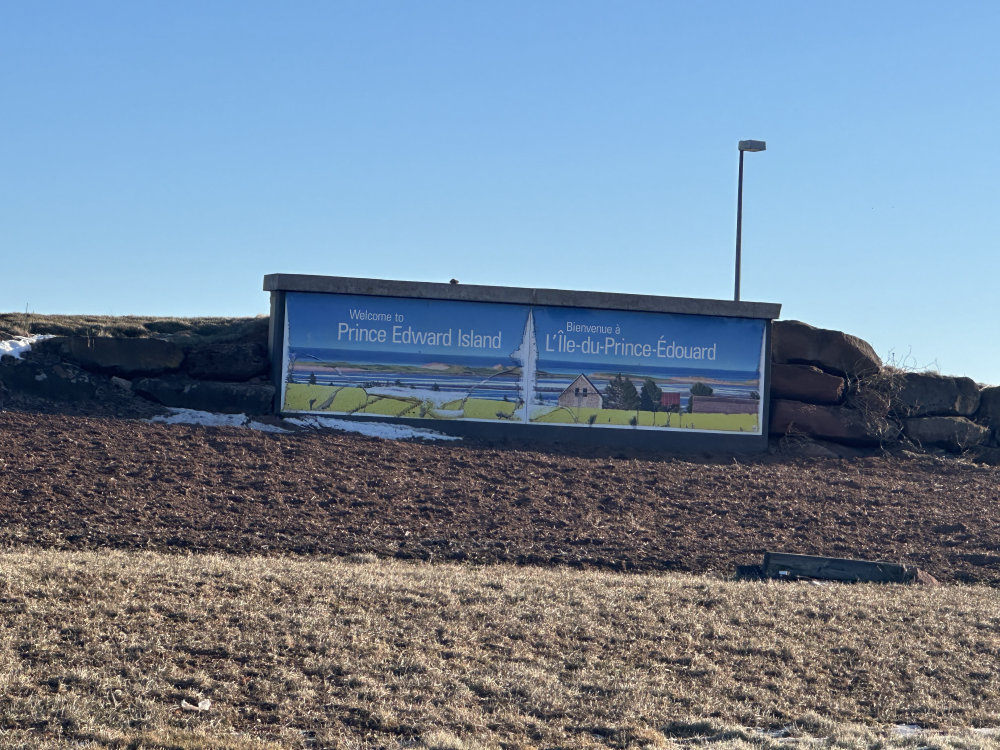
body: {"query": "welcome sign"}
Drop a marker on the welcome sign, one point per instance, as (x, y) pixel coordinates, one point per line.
(509, 363)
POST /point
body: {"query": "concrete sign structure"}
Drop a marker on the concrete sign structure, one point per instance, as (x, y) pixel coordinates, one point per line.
(504, 362)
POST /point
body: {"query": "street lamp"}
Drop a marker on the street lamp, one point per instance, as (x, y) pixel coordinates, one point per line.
(744, 146)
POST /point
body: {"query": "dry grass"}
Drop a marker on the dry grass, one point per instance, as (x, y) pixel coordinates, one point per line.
(129, 326)
(101, 649)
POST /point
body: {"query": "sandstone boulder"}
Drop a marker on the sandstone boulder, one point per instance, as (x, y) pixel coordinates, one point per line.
(951, 433)
(806, 383)
(207, 395)
(230, 361)
(925, 394)
(125, 357)
(60, 382)
(793, 342)
(824, 422)
(988, 412)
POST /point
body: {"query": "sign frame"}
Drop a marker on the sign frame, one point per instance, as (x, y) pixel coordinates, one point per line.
(550, 313)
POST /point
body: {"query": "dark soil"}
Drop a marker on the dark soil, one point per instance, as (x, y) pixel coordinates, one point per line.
(75, 482)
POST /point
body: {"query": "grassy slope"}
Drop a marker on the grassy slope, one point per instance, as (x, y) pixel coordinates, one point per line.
(204, 329)
(100, 649)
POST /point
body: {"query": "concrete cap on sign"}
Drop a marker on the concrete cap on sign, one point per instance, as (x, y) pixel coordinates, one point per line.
(752, 145)
(518, 295)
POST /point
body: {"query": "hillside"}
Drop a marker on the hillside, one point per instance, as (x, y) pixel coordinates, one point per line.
(87, 483)
(137, 326)
(179, 587)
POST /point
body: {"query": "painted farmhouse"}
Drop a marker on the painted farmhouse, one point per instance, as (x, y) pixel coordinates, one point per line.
(581, 394)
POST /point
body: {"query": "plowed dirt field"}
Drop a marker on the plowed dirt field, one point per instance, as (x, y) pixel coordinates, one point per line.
(90, 482)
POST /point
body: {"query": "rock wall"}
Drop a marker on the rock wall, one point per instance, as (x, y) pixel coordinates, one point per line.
(190, 372)
(830, 393)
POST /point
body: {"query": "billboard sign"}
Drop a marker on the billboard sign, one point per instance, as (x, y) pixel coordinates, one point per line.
(441, 359)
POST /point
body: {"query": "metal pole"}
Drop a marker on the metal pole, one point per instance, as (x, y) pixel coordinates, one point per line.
(739, 227)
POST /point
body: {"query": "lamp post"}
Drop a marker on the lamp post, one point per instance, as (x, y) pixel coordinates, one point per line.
(744, 146)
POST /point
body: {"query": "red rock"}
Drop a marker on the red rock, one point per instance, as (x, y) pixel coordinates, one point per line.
(806, 383)
(923, 394)
(836, 423)
(952, 433)
(794, 342)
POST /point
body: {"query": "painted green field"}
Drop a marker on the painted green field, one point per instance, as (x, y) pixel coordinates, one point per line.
(302, 397)
(350, 400)
(727, 422)
(483, 408)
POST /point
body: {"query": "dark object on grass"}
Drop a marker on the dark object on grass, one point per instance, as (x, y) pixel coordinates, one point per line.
(749, 573)
(798, 567)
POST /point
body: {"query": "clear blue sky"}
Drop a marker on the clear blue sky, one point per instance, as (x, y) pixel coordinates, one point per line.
(159, 158)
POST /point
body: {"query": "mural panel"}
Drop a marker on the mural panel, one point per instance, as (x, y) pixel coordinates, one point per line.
(405, 358)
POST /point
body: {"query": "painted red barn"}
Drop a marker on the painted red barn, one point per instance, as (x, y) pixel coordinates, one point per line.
(670, 401)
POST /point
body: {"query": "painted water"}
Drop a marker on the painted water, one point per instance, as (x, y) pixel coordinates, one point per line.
(535, 384)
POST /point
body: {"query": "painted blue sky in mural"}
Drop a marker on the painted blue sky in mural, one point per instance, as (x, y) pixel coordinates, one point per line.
(369, 326)
(405, 326)
(645, 339)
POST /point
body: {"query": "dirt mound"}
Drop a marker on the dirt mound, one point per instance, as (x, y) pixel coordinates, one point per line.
(88, 482)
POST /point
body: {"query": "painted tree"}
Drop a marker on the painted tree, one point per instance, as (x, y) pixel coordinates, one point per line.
(630, 395)
(621, 394)
(649, 397)
(613, 393)
(700, 389)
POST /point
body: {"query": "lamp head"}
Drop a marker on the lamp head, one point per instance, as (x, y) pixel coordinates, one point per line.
(752, 145)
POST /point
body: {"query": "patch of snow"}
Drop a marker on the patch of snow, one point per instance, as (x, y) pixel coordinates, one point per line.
(20, 344)
(788, 736)
(371, 429)
(911, 730)
(253, 424)
(211, 419)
